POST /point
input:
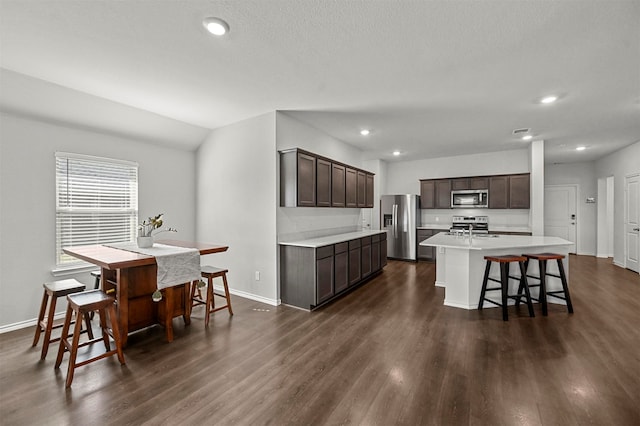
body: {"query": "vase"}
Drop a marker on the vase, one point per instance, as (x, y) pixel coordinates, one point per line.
(145, 242)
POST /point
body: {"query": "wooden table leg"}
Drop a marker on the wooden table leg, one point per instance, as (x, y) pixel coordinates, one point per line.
(122, 302)
(187, 303)
(168, 320)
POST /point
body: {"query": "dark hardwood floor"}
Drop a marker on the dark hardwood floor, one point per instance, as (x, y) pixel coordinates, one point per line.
(388, 353)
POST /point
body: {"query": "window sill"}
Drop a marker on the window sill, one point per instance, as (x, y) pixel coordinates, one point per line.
(72, 270)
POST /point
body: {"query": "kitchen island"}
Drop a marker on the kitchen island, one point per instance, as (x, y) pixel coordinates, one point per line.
(460, 263)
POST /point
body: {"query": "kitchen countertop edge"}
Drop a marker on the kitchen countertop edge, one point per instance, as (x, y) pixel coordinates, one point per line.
(331, 239)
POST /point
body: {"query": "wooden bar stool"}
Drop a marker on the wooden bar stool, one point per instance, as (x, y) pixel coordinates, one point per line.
(52, 291)
(542, 259)
(505, 262)
(82, 304)
(96, 285)
(211, 272)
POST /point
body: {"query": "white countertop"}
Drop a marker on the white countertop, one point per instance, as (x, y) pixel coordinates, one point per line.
(444, 226)
(330, 239)
(490, 243)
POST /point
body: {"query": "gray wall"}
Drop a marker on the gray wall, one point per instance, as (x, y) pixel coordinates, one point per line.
(584, 176)
(27, 209)
(619, 164)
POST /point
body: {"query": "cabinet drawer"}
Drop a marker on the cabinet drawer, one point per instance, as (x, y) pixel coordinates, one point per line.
(365, 241)
(375, 238)
(383, 236)
(341, 247)
(322, 252)
(354, 244)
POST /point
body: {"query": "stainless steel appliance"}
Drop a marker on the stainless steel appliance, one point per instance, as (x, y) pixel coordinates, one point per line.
(477, 224)
(470, 199)
(400, 215)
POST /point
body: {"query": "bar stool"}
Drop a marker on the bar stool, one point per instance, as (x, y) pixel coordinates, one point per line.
(82, 304)
(542, 259)
(96, 286)
(52, 291)
(211, 272)
(505, 262)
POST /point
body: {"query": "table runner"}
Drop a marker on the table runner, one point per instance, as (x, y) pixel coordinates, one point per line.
(176, 265)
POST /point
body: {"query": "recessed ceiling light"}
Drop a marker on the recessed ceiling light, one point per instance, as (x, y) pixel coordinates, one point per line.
(396, 153)
(364, 132)
(527, 137)
(216, 26)
(549, 99)
(581, 148)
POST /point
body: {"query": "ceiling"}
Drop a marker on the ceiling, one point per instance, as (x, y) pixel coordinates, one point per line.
(428, 78)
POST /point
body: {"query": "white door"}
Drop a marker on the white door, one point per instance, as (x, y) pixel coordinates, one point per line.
(632, 222)
(560, 216)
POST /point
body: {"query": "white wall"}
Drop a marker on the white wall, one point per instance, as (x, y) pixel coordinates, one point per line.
(308, 222)
(236, 199)
(619, 164)
(404, 178)
(582, 175)
(27, 211)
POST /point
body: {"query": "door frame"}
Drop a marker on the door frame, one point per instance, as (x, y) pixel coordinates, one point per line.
(577, 191)
(625, 218)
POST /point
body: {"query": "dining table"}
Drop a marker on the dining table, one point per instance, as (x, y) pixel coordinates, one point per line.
(132, 279)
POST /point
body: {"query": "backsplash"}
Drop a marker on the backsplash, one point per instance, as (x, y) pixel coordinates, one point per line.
(311, 222)
(498, 218)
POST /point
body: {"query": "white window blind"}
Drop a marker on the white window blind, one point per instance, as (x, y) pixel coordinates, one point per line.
(96, 203)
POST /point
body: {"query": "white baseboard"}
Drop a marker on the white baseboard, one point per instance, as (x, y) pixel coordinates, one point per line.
(27, 323)
(251, 296)
(441, 284)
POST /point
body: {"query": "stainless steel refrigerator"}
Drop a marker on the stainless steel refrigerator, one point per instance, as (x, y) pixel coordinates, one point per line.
(399, 216)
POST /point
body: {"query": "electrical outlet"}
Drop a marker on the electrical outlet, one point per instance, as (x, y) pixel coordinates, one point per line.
(257, 275)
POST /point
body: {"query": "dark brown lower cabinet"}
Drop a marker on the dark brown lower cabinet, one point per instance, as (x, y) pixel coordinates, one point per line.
(425, 253)
(365, 253)
(355, 266)
(312, 276)
(341, 266)
(324, 273)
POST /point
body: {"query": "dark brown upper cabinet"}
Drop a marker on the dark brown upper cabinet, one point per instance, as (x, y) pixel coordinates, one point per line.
(505, 191)
(369, 191)
(351, 188)
(310, 180)
(306, 180)
(443, 194)
(361, 178)
(338, 185)
(499, 192)
(519, 191)
(323, 183)
(427, 194)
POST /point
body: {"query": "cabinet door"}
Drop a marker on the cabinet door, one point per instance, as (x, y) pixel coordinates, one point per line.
(341, 264)
(443, 194)
(375, 256)
(459, 184)
(499, 192)
(323, 183)
(383, 253)
(361, 179)
(306, 180)
(337, 185)
(354, 266)
(519, 192)
(369, 191)
(427, 194)
(324, 279)
(425, 253)
(479, 183)
(365, 257)
(351, 188)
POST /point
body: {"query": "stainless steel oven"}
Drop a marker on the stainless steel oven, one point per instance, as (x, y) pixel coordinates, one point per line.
(470, 199)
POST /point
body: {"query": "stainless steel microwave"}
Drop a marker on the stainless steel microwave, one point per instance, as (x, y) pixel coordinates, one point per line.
(470, 199)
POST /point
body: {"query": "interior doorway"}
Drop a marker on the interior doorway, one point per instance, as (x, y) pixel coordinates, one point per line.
(560, 215)
(632, 222)
(605, 230)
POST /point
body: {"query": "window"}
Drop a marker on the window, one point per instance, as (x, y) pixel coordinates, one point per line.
(96, 203)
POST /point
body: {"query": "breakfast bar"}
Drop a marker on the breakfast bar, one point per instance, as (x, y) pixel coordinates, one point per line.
(460, 262)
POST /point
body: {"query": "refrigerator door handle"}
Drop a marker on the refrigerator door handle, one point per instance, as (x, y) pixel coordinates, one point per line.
(395, 220)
